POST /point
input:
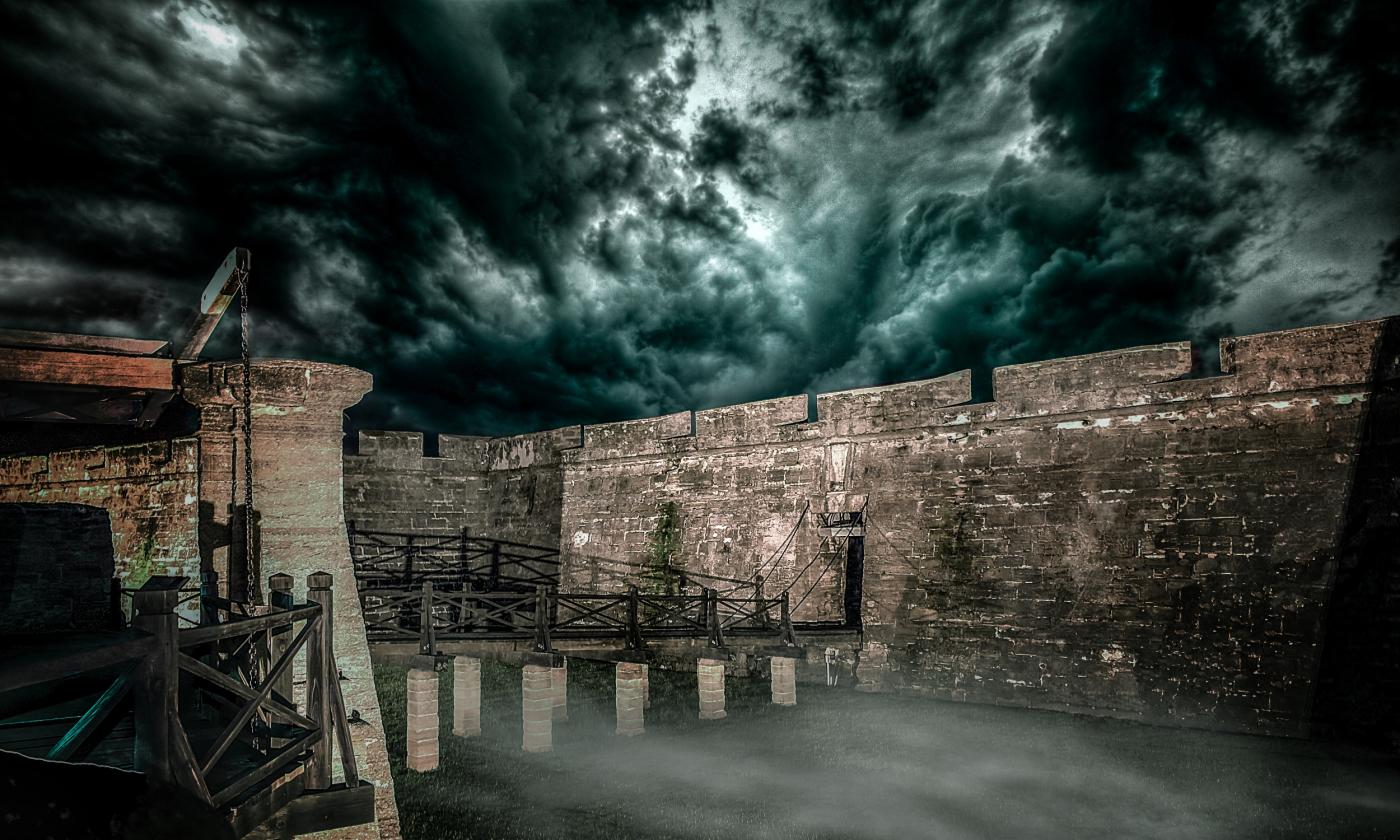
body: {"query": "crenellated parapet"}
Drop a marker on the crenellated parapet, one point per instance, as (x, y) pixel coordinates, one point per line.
(1310, 357)
(1089, 382)
(394, 450)
(635, 437)
(536, 449)
(1157, 374)
(747, 423)
(904, 405)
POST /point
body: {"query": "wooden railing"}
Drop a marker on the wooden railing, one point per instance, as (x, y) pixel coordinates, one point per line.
(213, 704)
(429, 614)
(392, 560)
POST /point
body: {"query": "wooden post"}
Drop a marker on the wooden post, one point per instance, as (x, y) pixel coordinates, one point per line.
(321, 679)
(157, 689)
(763, 618)
(279, 587)
(208, 591)
(408, 561)
(494, 581)
(634, 627)
(427, 633)
(463, 565)
(716, 630)
(542, 619)
(788, 637)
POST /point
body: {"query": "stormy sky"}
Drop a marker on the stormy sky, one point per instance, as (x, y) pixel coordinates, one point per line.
(524, 214)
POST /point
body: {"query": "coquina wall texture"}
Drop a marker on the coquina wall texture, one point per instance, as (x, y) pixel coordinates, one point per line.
(1105, 535)
(506, 488)
(150, 492)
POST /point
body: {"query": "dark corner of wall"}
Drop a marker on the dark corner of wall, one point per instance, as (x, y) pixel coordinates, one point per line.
(1358, 686)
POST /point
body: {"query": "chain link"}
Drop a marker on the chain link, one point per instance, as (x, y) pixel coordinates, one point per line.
(249, 553)
(250, 557)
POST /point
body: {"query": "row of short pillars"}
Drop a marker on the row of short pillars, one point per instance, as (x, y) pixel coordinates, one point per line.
(544, 700)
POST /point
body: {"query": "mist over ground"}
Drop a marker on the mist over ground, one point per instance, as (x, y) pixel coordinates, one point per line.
(848, 765)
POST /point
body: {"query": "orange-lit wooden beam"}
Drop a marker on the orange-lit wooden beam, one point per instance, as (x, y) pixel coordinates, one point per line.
(62, 367)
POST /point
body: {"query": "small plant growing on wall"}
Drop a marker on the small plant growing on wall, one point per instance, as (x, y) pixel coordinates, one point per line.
(665, 544)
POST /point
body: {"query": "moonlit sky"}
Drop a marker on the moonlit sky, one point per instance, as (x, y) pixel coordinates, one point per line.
(524, 214)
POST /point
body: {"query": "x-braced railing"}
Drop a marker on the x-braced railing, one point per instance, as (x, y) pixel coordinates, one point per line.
(430, 615)
(396, 560)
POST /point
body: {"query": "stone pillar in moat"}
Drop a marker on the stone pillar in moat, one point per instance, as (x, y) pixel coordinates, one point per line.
(298, 427)
(537, 708)
(631, 719)
(559, 681)
(422, 720)
(710, 677)
(782, 671)
(466, 696)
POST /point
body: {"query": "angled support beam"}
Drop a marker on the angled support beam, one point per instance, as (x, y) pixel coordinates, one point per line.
(212, 303)
(75, 744)
(216, 298)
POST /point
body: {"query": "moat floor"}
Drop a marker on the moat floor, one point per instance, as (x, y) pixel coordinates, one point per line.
(849, 765)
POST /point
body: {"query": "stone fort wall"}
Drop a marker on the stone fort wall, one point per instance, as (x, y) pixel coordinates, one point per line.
(1103, 536)
(149, 490)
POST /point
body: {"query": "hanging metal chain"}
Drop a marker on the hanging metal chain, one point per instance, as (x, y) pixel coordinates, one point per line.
(249, 553)
(250, 560)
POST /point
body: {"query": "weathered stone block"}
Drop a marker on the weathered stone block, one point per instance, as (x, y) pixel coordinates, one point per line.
(423, 722)
(537, 708)
(466, 696)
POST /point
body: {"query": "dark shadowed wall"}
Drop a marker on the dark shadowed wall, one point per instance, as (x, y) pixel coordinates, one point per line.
(56, 568)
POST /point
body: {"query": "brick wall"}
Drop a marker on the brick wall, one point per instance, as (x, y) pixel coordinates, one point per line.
(1103, 536)
(55, 584)
(150, 492)
(505, 488)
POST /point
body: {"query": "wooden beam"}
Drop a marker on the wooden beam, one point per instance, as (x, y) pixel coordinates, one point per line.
(192, 636)
(216, 298)
(339, 806)
(82, 343)
(46, 663)
(61, 367)
(70, 747)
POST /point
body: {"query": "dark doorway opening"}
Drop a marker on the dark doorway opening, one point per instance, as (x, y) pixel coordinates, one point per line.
(855, 573)
(56, 568)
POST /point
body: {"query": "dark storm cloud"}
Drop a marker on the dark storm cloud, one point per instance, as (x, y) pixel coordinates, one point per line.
(524, 214)
(1125, 79)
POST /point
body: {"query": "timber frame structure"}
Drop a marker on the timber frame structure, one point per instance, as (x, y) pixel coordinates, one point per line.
(67, 378)
(242, 746)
